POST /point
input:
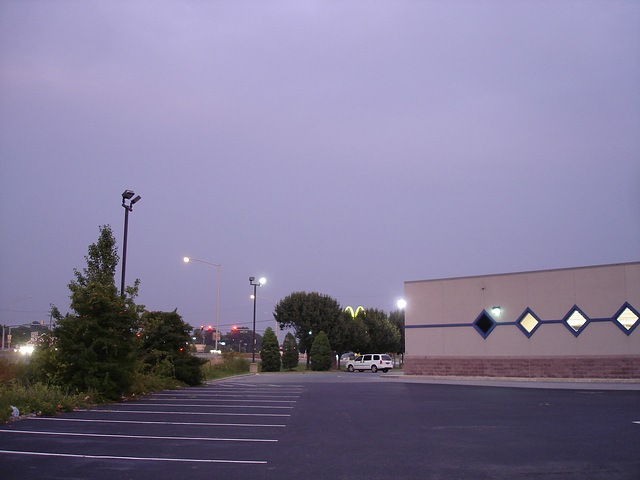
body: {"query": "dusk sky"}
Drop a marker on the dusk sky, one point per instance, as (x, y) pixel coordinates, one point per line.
(342, 147)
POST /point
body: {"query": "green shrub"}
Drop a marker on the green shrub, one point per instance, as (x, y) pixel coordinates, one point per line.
(270, 352)
(320, 354)
(289, 352)
(38, 398)
(188, 369)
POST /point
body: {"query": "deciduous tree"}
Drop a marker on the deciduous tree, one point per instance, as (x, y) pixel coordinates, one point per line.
(310, 313)
(383, 335)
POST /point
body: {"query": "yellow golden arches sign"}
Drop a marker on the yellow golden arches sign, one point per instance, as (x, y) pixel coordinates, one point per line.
(354, 314)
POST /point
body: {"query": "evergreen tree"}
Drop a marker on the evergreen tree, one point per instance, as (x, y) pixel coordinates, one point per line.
(270, 352)
(96, 344)
(321, 353)
(289, 352)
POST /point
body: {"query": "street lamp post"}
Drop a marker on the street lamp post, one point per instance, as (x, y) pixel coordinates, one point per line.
(126, 195)
(261, 282)
(219, 267)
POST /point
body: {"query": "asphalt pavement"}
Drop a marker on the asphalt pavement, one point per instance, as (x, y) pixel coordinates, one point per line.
(340, 426)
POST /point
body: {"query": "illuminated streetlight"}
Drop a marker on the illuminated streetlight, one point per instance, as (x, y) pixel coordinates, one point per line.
(260, 283)
(219, 267)
(402, 303)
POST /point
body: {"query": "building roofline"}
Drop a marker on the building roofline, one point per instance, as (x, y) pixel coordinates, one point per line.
(525, 272)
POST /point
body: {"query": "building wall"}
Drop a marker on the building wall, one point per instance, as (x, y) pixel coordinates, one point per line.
(441, 336)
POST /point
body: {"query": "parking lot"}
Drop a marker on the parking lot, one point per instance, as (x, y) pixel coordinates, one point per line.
(334, 426)
(226, 425)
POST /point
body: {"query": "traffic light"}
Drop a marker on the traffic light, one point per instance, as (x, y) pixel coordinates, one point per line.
(234, 328)
(209, 328)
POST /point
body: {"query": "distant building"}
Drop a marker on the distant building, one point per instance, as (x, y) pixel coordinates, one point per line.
(567, 323)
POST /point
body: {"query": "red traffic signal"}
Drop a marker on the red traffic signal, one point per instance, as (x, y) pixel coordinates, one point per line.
(234, 328)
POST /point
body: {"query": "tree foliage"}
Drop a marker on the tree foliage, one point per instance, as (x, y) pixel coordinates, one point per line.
(320, 354)
(309, 314)
(270, 352)
(164, 348)
(397, 318)
(289, 352)
(383, 335)
(96, 345)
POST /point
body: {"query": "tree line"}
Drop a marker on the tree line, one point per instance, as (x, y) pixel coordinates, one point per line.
(107, 342)
(366, 330)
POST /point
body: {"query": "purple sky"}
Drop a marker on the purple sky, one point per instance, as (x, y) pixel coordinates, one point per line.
(342, 147)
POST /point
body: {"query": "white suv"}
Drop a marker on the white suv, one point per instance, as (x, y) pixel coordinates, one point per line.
(371, 361)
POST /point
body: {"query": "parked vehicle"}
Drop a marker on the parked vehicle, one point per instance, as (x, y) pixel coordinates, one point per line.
(371, 361)
(347, 357)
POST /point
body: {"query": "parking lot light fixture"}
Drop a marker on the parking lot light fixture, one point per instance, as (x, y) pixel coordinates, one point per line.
(253, 283)
(126, 195)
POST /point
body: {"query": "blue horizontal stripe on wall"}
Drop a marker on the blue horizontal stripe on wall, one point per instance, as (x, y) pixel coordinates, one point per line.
(542, 322)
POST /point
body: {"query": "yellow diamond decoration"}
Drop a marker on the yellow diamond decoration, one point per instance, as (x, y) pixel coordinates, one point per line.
(627, 318)
(529, 322)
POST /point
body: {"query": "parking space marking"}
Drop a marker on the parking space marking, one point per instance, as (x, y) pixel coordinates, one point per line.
(223, 414)
(215, 395)
(206, 404)
(281, 407)
(140, 459)
(62, 419)
(145, 437)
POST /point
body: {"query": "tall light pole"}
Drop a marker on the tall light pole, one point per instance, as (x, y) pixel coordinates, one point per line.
(126, 195)
(11, 317)
(219, 267)
(261, 282)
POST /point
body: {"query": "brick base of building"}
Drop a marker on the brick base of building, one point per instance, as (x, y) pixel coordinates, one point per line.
(616, 367)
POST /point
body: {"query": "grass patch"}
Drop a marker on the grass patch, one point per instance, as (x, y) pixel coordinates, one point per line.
(39, 398)
(229, 366)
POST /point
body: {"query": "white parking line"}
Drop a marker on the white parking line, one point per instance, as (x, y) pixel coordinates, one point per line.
(191, 413)
(215, 395)
(62, 419)
(141, 459)
(146, 437)
(153, 400)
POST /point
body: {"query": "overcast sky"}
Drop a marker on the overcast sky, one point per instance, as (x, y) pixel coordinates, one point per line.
(342, 147)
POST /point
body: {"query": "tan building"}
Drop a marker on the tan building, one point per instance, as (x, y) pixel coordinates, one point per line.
(568, 323)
